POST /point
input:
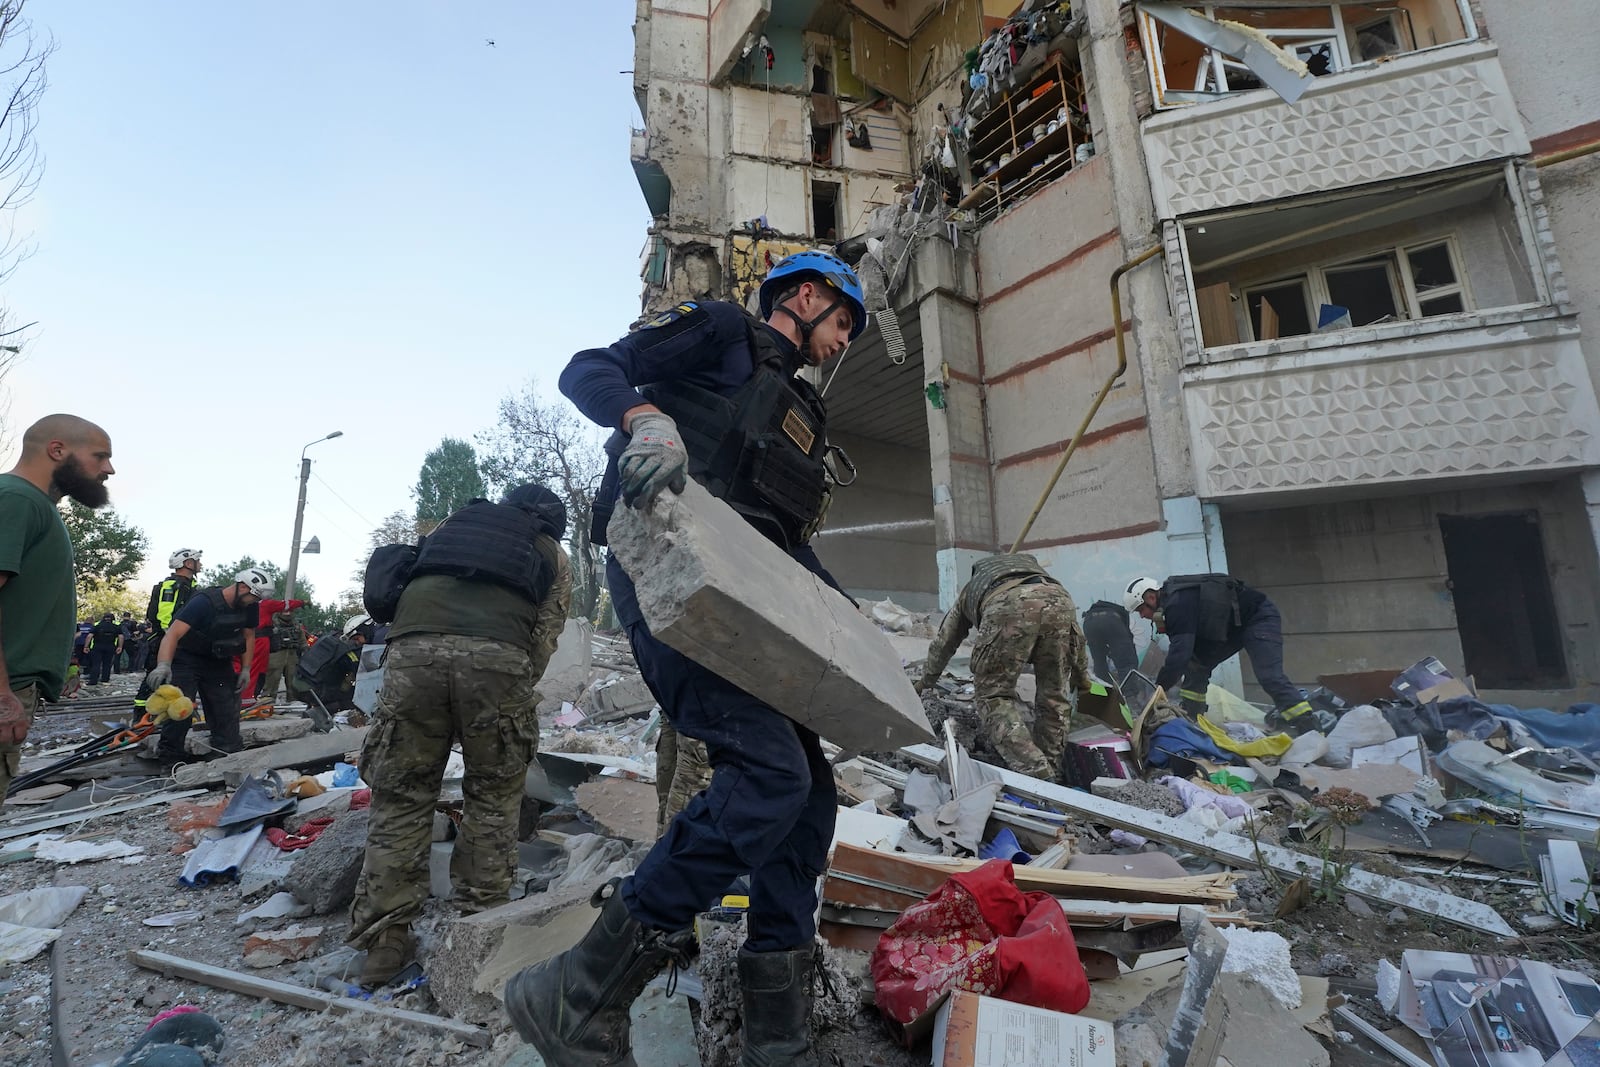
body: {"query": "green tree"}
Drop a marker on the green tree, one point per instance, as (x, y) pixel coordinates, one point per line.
(535, 441)
(106, 550)
(102, 597)
(448, 479)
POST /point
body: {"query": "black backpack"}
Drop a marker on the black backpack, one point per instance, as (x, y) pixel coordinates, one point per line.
(387, 573)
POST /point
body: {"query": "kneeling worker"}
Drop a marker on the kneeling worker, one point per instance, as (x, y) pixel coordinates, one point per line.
(1209, 618)
(1023, 616)
(197, 656)
(473, 633)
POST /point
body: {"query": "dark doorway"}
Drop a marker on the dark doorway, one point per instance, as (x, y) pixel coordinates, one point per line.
(825, 210)
(1504, 609)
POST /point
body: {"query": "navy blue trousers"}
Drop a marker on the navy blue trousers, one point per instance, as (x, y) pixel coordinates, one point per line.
(768, 812)
(1262, 640)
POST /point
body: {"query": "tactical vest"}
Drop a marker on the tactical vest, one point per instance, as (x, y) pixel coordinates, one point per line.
(1219, 602)
(105, 631)
(224, 637)
(171, 596)
(762, 448)
(328, 661)
(486, 542)
(285, 632)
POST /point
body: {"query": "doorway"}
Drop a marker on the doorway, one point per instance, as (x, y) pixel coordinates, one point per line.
(1505, 611)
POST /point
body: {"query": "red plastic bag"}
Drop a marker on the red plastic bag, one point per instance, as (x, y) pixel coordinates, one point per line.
(979, 932)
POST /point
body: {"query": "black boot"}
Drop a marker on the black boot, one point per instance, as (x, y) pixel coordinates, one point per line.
(574, 1008)
(777, 1008)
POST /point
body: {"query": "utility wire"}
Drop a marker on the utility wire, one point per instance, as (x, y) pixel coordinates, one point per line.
(323, 482)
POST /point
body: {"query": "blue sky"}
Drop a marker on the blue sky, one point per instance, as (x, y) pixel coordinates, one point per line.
(261, 222)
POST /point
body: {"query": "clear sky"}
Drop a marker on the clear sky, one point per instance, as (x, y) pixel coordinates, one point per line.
(261, 222)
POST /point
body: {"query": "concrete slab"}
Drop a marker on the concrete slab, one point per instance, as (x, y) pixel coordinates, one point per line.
(567, 673)
(255, 733)
(324, 874)
(302, 751)
(473, 956)
(624, 808)
(661, 1027)
(713, 588)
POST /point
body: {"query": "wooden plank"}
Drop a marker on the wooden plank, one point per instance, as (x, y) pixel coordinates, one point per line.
(301, 997)
(913, 872)
(34, 826)
(1242, 852)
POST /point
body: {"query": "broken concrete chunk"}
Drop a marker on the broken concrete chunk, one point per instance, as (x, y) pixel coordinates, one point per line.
(302, 752)
(270, 948)
(324, 875)
(473, 957)
(624, 808)
(719, 592)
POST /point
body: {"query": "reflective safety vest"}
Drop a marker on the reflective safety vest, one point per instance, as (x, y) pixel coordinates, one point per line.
(170, 597)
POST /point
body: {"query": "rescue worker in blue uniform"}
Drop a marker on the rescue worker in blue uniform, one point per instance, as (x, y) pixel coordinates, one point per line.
(705, 391)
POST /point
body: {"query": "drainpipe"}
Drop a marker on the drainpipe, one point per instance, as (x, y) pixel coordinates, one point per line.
(1566, 154)
(1122, 367)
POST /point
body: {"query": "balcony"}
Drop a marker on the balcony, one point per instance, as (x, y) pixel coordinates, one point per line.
(1409, 404)
(653, 180)
(1429, 111)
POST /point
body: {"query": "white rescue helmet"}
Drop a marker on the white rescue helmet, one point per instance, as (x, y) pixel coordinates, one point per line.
(1133, 595)
(178, 558)
(354, 623)
(257, 581)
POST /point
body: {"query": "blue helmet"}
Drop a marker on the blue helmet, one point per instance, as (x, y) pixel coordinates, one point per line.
(804, 266)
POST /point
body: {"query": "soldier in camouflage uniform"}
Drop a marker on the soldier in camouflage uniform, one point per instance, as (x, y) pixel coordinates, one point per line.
(682, 770)
(467, 647)
(1023, 616)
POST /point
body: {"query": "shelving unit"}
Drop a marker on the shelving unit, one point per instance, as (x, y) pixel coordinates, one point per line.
(1010, 128)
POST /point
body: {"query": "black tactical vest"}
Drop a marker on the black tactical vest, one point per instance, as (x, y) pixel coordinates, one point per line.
(224, 637)
(762, 448)
(488, 542)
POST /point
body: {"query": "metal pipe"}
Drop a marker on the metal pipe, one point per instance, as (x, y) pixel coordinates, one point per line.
(1122, 368)
(1566, 154)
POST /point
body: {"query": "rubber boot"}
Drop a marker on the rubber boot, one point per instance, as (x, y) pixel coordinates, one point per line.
(777, 1008)
(574, 1008)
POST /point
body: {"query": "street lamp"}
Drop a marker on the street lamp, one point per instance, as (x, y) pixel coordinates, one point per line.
(300, 517)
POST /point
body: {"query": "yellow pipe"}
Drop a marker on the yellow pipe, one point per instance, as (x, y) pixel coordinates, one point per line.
(1570, 153)
(1122, 368)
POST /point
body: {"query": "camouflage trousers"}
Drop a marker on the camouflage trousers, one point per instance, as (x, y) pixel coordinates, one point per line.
(1028, 624)
(280, 667)
(682, 770)
(439, 689)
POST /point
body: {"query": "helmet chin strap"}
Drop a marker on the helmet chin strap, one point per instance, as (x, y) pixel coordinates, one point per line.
(806, 327)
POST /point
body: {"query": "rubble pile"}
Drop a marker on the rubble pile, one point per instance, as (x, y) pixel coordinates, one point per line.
(1220, 882)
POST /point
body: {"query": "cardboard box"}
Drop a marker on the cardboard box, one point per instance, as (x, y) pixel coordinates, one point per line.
(978, 1031)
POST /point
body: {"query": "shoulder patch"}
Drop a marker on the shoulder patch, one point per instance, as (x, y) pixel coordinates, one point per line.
(669, 316)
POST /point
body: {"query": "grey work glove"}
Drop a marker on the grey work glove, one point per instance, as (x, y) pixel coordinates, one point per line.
(159, 675)
(244, 681)
(655, 459)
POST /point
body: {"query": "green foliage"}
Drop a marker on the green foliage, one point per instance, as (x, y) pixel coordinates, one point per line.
(448, 479)
(106, 550)
(102, 597)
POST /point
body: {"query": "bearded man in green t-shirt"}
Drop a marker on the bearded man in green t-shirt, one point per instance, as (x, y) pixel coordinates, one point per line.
(62, 455)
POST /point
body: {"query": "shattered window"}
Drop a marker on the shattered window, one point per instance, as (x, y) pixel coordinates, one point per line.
(1366, 289)
(1191, 62)
(1280, 309)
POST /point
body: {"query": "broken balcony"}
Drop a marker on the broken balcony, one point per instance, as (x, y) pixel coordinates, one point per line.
(1416, 332)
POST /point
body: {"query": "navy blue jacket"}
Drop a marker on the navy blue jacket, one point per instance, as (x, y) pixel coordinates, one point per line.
(703, 344)
(1181, 611)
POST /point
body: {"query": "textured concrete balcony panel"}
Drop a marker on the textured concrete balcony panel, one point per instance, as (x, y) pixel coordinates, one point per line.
(1493, 399)
(1426, 112)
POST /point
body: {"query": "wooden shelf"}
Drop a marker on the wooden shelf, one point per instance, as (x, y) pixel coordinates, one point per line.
(1008, 128)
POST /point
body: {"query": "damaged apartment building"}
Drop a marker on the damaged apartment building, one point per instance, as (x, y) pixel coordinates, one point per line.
(1361, 322)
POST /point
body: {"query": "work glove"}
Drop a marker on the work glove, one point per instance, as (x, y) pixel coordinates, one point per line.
(244, 682)
(655, 459)
(159, 675)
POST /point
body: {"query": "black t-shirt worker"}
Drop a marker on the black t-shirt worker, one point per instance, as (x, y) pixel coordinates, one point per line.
(197, 656)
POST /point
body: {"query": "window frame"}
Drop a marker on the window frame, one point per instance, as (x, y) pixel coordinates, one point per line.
(1315, 276)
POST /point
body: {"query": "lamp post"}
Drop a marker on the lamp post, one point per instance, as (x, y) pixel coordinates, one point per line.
(300, 515)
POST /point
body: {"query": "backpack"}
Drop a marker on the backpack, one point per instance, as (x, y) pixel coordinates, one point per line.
(386, 576)
(1219, 602)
